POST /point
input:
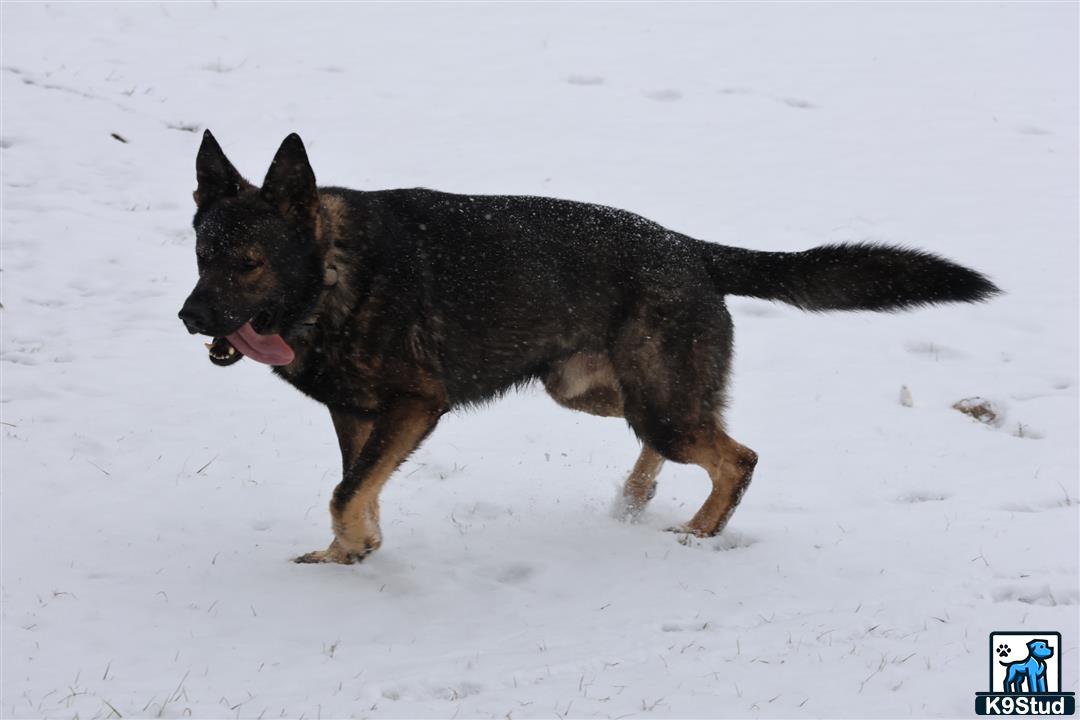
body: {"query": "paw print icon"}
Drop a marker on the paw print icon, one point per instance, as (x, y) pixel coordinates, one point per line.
(1003, 650)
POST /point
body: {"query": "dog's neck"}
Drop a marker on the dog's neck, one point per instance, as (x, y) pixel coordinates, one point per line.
(336, 296)
(329, 227)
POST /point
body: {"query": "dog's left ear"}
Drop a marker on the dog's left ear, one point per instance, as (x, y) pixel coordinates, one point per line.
(290, 183)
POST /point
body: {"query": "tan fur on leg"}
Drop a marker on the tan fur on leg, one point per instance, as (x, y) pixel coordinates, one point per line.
(640, 486)
(332, 554)
(730, 467)
(356, 522)
(355, 508)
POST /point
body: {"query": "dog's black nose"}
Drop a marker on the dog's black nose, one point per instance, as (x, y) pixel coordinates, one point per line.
(196, 317)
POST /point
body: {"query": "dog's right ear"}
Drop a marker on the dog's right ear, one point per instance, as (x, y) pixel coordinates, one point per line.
(216, 175)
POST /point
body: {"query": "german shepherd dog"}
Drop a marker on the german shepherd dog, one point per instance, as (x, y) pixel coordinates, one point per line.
(393, 307)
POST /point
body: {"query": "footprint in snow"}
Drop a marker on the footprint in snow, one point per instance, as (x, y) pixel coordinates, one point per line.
(664, 95)
(1031, 130)
(220, 67)
(732, 541)
(798, 103)
(16, 359)
(933, 350)
(1041, 506)
(694, 626)
(1041, 595)
(514, 574)
(728, 540)
(485, 511)
(1025, 396)
(454, 692)
(585, 80)
(915, 498)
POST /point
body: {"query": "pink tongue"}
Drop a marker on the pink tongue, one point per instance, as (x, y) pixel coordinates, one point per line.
(269, 349)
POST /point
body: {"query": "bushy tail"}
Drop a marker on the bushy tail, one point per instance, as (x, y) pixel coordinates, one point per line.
(857, 276)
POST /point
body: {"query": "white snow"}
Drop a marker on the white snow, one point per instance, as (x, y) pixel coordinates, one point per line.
(151, 501)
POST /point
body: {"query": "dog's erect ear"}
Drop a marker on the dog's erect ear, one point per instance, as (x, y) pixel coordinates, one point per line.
(216, 175)
(290, 183)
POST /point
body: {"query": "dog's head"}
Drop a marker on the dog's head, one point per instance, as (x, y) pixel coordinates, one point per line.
(1040, 649)
(256, 252)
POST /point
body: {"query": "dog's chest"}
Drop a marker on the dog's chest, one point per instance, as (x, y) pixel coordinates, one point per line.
(334, 365)
(359, 364)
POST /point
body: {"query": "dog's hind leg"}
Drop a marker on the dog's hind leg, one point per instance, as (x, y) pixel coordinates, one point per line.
(354, 509)
(730, 467)
(587, 382)
(640, 486)
(672, 358)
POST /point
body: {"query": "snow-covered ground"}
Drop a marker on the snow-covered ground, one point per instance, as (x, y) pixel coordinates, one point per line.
(151, 501)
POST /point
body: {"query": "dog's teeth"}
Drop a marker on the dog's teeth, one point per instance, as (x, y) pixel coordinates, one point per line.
(232, 351)
(208, 345)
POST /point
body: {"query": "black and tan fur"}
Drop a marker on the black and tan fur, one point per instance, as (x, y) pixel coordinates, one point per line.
(401, 305)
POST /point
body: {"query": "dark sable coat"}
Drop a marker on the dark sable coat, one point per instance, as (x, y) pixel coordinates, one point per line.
(430, 299)
(487, 292)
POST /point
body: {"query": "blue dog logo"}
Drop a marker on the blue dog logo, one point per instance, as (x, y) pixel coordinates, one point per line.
(1031, 686)
(1030, 670)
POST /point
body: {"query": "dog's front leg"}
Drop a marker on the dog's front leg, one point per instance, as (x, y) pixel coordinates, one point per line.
(353, 430)
(354, 509)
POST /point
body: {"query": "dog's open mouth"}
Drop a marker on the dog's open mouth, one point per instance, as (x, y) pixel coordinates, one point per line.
(269, 349)
(222, 352)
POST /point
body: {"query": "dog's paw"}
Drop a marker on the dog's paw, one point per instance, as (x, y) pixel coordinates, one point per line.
(334, 554)
(687, 529)
(325, 556)
(1003, 650)
(626, 510)
(630, 504)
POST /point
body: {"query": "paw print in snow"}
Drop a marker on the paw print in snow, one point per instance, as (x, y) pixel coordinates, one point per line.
(1003, 650)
